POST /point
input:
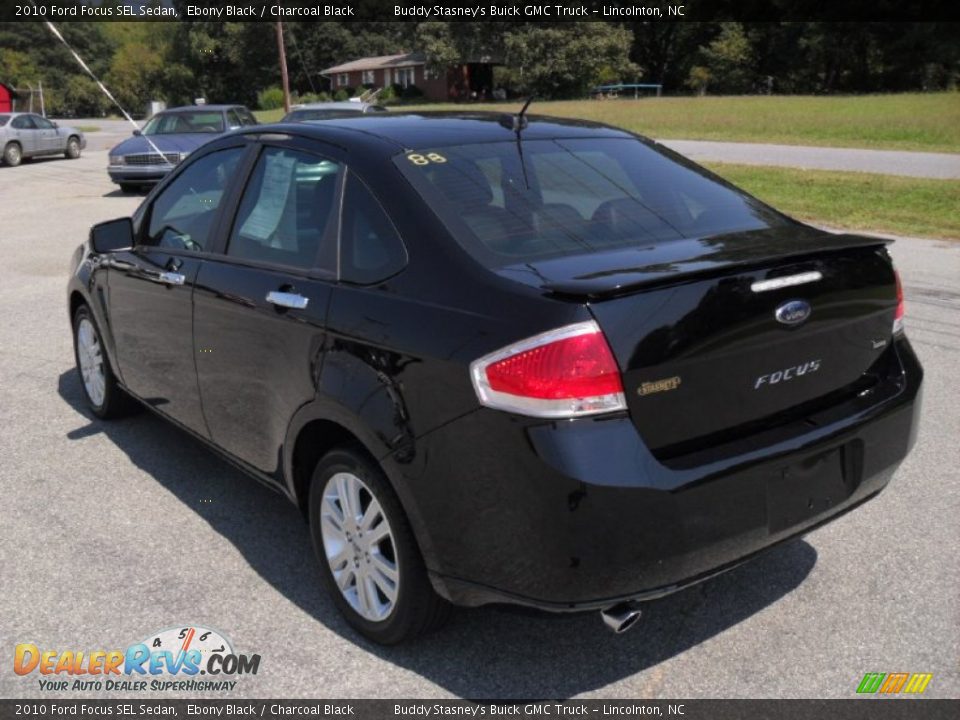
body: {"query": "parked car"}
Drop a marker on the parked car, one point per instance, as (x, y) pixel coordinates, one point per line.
(27, 135)
(542, 361)
(327, 110)
(168, 138)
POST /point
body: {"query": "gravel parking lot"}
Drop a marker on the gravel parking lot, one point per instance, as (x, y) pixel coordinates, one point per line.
(112, 531)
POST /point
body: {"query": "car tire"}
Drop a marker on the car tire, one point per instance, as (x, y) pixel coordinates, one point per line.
(105, 398)
(357, 572)
(73, 148)
(129, 188)
(12, 154)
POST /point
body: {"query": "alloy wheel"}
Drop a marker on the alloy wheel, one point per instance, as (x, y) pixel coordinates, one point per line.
(90, 357)
(359, 546)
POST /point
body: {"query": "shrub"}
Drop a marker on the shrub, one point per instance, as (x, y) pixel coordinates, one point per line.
(270, 99)
(342, 94)
(412, 92)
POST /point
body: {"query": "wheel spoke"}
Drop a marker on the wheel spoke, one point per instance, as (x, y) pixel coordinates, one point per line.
(384, 568)
(364, 596)
(340, 558)
(371, 516)
(377, 535)
(346, 578)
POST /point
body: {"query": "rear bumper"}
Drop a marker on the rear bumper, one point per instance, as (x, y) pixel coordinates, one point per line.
(579, 515)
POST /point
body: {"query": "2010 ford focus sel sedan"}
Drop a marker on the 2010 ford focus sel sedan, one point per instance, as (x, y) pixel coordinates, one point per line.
(501, 359)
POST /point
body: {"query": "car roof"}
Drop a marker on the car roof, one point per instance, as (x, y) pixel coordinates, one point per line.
(437, 129)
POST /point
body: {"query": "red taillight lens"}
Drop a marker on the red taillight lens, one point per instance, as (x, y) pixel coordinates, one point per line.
(563, 373)
(898, 315)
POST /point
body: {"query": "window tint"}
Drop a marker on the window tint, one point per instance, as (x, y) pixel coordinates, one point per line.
(4, 119)
(22, 122)
(182, 215)
(233, 119)
(41, 123)
(370, 248)
(564, 197)
(288, 208)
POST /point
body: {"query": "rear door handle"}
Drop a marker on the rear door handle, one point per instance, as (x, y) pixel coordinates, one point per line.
(172, 278)
(287, 300)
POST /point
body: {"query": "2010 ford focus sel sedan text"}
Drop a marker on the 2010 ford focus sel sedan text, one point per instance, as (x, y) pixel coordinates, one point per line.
(502, 359)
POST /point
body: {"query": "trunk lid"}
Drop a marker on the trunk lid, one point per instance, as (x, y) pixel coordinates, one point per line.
(708, 356)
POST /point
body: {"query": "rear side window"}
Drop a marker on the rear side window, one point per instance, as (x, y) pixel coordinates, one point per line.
(181, 217)
(4, 119)
(288, 208)
(370, 247)
(23, 122)
(507, 203)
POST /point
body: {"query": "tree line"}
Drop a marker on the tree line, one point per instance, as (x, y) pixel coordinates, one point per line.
(236, 62)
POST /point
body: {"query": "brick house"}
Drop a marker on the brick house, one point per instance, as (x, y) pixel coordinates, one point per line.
(459, 82)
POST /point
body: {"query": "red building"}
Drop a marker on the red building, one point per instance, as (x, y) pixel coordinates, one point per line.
(7, 96)
(472, 80)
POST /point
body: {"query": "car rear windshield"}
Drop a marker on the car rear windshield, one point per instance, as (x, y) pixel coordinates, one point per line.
(4, 119)
(510, 202)
(185, 122)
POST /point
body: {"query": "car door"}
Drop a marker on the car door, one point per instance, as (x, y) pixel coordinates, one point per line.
(48, 139)
(151, 286)
(25, 132)
(260, 308)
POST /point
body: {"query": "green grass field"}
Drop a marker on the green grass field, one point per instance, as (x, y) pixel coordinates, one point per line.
(857, 201)
(916, 121)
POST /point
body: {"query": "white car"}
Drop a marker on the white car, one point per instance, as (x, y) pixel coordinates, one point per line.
(26, 135)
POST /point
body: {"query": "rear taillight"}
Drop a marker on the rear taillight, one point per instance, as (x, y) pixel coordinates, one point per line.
(898, 316)
(568, 372)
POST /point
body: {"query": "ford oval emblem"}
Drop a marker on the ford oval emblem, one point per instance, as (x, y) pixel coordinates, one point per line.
(792, 312)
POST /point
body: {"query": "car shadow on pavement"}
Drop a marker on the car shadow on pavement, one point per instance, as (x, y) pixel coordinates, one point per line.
(484, 653)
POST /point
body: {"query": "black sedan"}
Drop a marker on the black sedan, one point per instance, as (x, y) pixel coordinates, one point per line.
(495, 359)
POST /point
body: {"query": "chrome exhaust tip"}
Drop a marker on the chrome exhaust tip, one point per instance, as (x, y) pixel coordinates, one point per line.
(622, 617)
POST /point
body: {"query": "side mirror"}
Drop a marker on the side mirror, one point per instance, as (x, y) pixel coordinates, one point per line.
(137, 133)
(112, 235)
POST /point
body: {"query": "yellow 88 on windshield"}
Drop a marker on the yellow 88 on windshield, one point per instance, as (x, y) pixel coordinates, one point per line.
(420, 159)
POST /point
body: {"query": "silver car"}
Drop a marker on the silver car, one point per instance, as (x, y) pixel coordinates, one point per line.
(26, 135)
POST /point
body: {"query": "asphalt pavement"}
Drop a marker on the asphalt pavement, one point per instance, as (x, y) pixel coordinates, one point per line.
(111, 531)
(942, 166)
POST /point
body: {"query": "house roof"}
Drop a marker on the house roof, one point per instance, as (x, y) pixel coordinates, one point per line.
(376, 63)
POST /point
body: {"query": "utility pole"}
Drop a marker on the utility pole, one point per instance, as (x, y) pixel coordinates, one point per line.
(283, 68)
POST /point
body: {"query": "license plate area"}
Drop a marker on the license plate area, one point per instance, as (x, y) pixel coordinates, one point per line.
(813, 486)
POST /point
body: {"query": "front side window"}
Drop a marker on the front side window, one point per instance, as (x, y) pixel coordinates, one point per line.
(370, 248)
(246, 117)
(288, 208)
(181, 217)
(41, 123)
(545, 198)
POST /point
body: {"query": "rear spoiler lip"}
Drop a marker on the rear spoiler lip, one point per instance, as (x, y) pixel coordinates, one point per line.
(599, 288)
